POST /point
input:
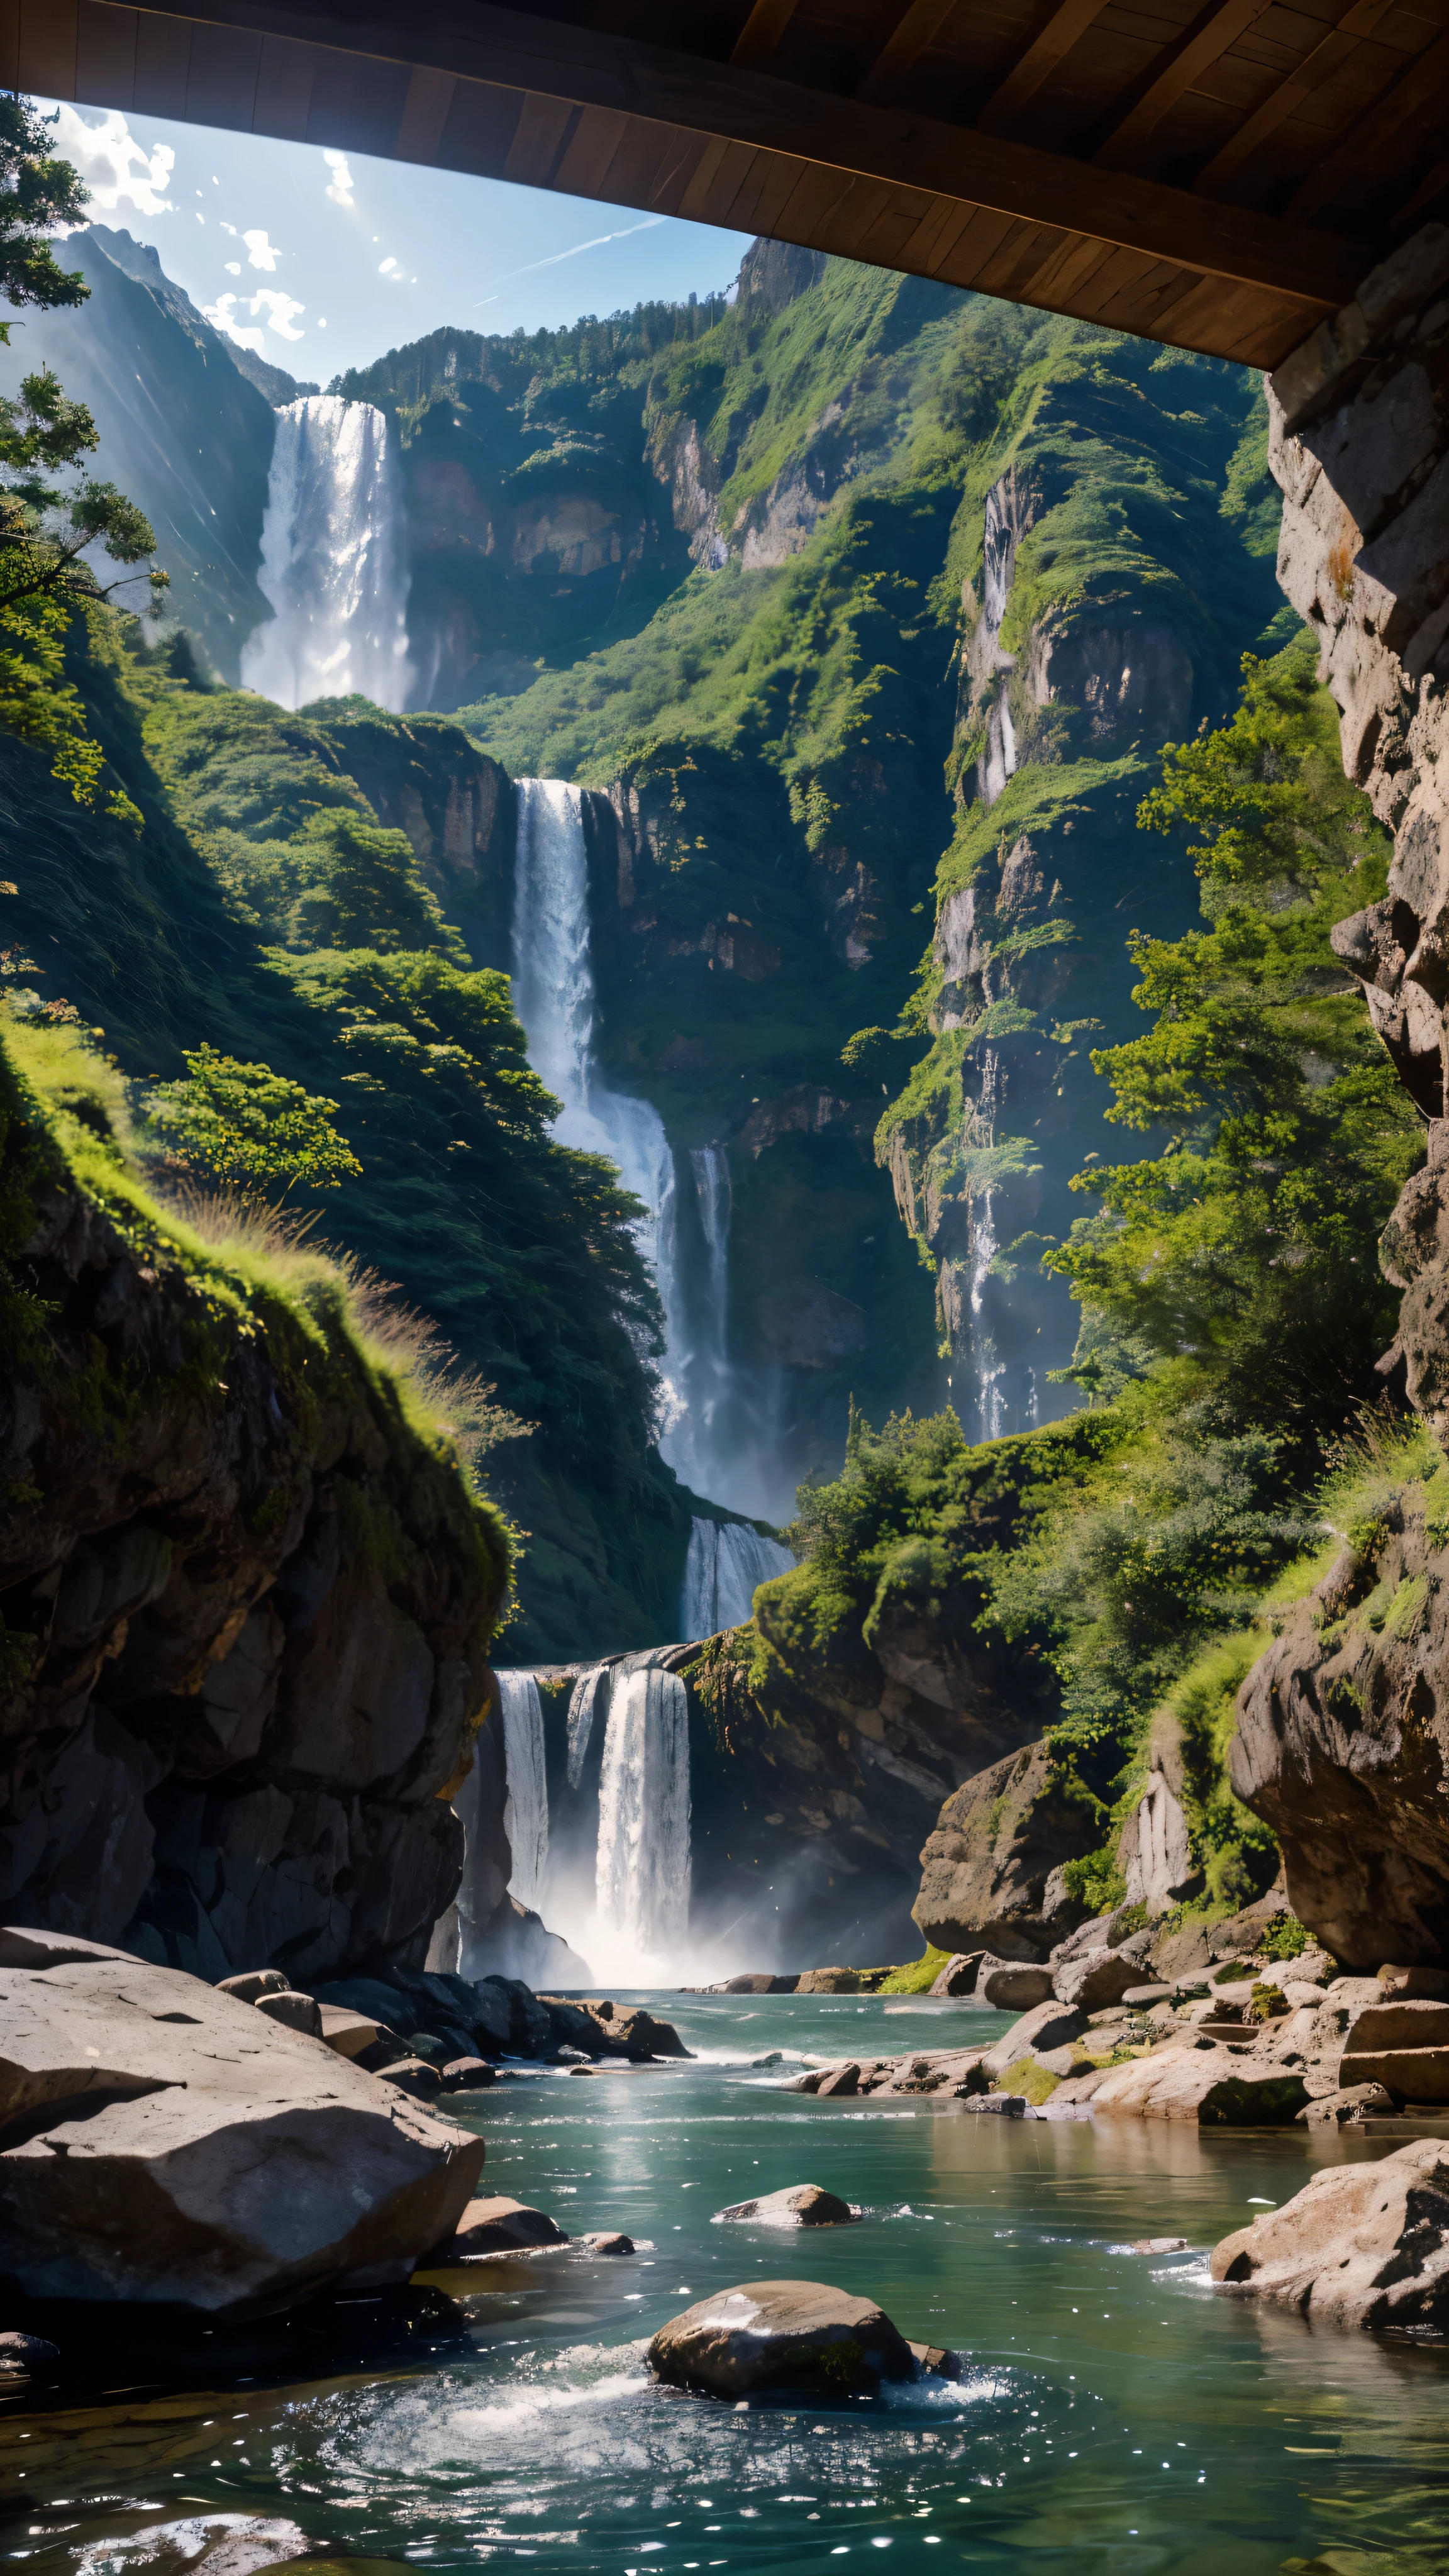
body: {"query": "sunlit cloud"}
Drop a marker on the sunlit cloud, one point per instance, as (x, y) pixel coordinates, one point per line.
(554, 257)
(232, 267)
(260, 252)
(281, 311)
(340, 185)
(117, 169)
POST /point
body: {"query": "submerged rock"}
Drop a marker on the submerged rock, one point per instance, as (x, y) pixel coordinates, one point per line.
(803, 2204)
(1360, 2245)
(766, 2334)
(167, 2143)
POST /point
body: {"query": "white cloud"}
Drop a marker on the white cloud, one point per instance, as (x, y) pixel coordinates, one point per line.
(233, 267)
(226, 227)
(385, 267)
(340, 185)
(116, 168)
(280, 309)
(260, 252)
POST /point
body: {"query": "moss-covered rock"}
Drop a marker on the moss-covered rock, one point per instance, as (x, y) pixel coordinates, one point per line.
(248, 1590)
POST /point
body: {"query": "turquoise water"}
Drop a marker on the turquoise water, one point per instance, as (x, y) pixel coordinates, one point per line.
(1116, 2413)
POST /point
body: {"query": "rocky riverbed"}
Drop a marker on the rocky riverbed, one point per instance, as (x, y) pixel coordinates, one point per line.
(504, 2406)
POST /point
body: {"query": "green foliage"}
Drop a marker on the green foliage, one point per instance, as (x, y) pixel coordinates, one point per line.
(46, 525)
(1247, 1243)
(37, 191)
(244, 1123)
(1096, 1880)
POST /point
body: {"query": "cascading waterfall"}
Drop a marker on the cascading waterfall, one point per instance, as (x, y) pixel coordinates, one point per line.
(525, 1806)
(643, 1867)
(334, 561)
(553, 994)
(727, 1561)
(990, 1394)
(715, 1430)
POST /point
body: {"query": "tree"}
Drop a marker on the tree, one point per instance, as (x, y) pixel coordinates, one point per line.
(244, 1123)
(1246, 1246)
(36, 192)
(49, 527)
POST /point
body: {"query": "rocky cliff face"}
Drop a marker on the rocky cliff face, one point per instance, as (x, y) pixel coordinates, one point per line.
(185, 430)
(1340, 1736)
(248, 1595)
(1082, 649)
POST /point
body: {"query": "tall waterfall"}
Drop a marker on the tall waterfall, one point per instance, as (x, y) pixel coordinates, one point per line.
(334, 561)
(726, 1561)
(990, 1370)
(553, 994)
(643, 1867)
(525, 1806)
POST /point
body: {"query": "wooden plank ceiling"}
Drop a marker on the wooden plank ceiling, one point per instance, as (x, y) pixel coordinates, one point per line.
(1218, 177)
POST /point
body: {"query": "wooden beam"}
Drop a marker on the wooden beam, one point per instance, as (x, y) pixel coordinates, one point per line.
(1317, 66)
(1052, 43)
(1215, 28)
(500, 55)
(1416, 90)
(903, 49)
(761, 32)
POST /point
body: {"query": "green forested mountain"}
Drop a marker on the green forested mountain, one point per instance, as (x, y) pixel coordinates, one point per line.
(770, 578)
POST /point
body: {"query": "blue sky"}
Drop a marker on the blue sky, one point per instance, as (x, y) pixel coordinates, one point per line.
(323, 260)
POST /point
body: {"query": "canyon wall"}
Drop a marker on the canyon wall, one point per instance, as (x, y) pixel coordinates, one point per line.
(1343, 1729)
(248, 1594)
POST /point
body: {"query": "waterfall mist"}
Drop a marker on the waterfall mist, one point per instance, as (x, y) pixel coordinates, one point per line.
(334, 561)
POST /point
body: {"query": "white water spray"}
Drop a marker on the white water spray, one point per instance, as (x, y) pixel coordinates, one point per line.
(726, 1563)
(334, 561)
(643, 1868)
(525, 1806)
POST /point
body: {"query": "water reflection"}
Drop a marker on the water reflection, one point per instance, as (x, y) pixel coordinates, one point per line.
(1117, 2414)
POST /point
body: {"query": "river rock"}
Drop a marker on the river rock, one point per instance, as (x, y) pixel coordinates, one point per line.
(1047, 2026)
(467, 2075)
(413, 2076)
(958, 1977)
(251, 1983)
(293, 2011)
(628, 2031)
(829, 1981)
(1011, 1985)
(604, 2243)
(1351, 2103)
(1096, 1979)
(766, 2334)
(1205, 2085)
(350, 2033)
(167, 2143)
(802, 2204)
(27, 2356)
(991, 1873)
(1430, 1985)
(1361, 2245)
(498, 2226)
(840, 2079)
(1007, 2106)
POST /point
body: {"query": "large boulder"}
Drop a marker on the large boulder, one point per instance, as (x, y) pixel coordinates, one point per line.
(766, 2334)
(1094, 1979)
(1359, 2245)
(168, 2143)
(1046, 2026)
(991, 1873)
(1341, 1744)
(1208, 2086)
(958, 1977)
(1012, 1985)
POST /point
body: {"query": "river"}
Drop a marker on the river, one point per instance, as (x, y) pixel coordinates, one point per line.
(1116, 2414)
